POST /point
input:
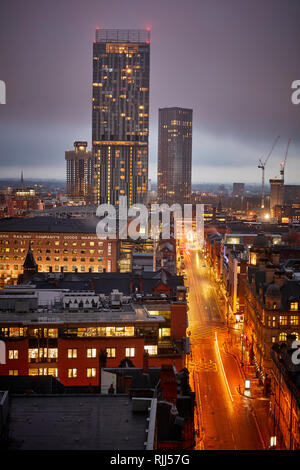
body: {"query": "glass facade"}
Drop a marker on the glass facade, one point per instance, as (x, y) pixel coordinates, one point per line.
(120, 118)
(174, 155)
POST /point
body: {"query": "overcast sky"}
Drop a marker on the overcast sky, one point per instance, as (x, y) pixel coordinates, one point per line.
(232, 61)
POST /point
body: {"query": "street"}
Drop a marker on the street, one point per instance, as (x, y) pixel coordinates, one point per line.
(224, 417)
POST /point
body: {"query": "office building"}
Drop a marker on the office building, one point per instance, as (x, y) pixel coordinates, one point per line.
(79, 172)
(276, 194)
(174, 155)
(120, 124)
(58, 245)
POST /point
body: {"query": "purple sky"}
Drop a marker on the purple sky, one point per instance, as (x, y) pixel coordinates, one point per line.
(231, 61)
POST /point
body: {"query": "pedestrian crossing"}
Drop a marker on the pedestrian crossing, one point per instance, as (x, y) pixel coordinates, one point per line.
(204, 332)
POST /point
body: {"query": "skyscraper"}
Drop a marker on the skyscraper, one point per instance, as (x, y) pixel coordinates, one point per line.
(79, 172)
(276, 194)
(174, 155)
(120, 124)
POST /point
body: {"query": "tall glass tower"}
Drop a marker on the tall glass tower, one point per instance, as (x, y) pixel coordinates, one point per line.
(174, 155)
(120, 125)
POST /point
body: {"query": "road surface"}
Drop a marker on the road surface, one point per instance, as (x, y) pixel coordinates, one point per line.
(224, 417)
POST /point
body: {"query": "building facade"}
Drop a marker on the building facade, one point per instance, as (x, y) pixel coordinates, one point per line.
(68, 245)
(285, 396)
(79, 172)
(66, 333)
(174, 155)
(276, 194)
(120, 120)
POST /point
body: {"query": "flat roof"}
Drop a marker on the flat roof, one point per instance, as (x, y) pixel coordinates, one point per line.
(125, 314)
(81, 422)
(49, 224)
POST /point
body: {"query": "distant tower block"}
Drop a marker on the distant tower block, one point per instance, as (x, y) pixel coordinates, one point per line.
(174, 169)
(79, 172)
(276, 194)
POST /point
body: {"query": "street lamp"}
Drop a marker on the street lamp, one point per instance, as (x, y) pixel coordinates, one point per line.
(273, 442)
(247, 384)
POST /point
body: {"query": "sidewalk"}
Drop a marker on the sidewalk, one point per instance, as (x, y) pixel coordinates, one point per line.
(260, 404)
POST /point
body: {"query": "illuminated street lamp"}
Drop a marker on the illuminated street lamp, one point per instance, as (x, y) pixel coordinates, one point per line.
(273, 442)
(247, 384)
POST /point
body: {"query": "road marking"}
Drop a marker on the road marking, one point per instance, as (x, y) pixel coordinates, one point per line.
(222, 367)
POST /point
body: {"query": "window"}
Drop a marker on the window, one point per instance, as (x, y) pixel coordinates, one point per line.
(91, 353)
(164, 332)
(13, 372)
(295, 334)
(13, 354)
(151, 350)
(129, 352)
(111, 352)
(294, 320)
(72, 353)
(91, 372)
(283, 320)
(282, 336)
(294, 305)
(72, 373)
(273, 339)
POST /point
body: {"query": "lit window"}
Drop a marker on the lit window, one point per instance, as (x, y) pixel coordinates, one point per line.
(282, 336)
(91, 353)
(294, 320)
(111, 352)
(130, 352)
(13, 372)
(13, 354)
(91, 372)
(164, 332)
(283, 320)
(72, 373)
(294, 306)
(152, 350)
(72, 353)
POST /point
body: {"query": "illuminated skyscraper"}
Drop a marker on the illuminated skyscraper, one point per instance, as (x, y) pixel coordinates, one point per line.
(120, 124)
(79, 172)
(174, 155)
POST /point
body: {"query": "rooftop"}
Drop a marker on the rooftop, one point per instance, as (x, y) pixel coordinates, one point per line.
(49, 224)
(81, 422)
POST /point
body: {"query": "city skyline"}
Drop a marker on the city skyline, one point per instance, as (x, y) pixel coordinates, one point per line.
(232, 130)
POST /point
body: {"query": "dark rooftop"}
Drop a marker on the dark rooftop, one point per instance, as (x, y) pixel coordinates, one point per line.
(76, 422)
(49, 224)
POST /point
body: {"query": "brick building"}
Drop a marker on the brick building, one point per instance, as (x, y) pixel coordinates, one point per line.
(68, 245)
(56, 329)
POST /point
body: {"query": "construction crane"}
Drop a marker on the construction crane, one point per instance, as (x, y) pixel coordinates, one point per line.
(282, 164)
(262, 165)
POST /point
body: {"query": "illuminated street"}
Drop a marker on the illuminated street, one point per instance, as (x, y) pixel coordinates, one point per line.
(224, 417)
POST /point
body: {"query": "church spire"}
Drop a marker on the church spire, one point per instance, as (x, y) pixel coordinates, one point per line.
(29, 263)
